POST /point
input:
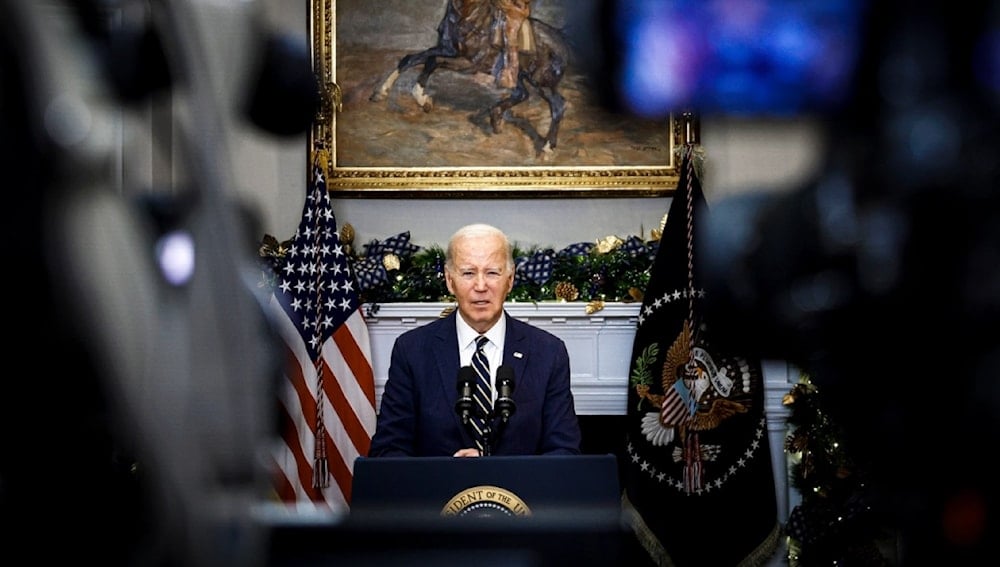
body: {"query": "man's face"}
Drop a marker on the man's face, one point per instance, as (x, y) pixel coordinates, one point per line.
(480, 280)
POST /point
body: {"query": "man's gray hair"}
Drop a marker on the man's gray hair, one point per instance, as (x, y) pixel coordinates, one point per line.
(478, 230)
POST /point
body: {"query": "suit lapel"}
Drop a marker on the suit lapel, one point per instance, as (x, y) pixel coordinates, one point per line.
(444, 350)
(515, 352)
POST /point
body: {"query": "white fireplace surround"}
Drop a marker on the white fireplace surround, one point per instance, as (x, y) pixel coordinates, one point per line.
(600, 346)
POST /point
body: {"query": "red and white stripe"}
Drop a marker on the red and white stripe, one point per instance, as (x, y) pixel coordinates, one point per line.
(348, 410)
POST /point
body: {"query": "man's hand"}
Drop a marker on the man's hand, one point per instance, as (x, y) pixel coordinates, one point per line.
(472, 452)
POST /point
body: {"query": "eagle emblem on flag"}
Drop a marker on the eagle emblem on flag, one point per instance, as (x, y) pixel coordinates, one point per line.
(696, 446)
(696, 393)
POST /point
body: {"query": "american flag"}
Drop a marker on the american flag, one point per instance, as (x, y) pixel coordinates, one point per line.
(327, 402)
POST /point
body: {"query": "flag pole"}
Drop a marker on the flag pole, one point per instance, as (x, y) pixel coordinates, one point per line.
(690, 127)
(321, 467)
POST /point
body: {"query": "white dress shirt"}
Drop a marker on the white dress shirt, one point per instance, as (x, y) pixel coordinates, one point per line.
(493, 349)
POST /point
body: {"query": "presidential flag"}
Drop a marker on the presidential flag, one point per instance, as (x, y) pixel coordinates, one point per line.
(698, 483)
(327, 400)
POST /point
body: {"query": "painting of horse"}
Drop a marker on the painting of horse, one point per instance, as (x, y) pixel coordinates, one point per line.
(467, 43)
(422, 108)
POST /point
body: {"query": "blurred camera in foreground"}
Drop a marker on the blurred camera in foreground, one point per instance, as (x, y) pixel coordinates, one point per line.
(881, 277)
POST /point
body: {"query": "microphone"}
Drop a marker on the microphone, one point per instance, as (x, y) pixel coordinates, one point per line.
(464, 405)
(505, 388)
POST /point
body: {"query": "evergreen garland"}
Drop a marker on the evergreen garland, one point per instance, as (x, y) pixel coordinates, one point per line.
(609, 270)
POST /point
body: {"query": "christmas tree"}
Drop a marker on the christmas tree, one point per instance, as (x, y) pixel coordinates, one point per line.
(836, 522)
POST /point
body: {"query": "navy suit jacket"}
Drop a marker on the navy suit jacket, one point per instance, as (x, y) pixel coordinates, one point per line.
(417, 413)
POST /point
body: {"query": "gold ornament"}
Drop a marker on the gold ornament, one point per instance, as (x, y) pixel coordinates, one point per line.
(321, 158)
(657, 233)
(796, 443)
(347, 233)
(565, 291)
(636, 293)
(594, 306)
(608, 244)
(391, 262)
(271, 248)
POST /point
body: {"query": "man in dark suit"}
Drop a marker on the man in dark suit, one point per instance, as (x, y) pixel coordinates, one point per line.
(418, 414)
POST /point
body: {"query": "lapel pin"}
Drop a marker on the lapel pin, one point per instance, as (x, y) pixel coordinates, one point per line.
(518, 355)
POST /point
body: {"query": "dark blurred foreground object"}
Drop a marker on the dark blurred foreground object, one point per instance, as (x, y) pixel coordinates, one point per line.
(881, 278)
(131, 433)
(570, 538)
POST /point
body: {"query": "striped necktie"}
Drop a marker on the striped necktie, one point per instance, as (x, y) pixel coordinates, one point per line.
(483, 395)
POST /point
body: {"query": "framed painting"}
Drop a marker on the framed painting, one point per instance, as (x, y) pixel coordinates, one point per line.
(450, 123)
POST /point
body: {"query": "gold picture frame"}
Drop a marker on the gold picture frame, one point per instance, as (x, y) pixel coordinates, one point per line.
(396, 148)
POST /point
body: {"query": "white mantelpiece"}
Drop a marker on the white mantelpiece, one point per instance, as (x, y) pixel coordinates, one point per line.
(600, 348)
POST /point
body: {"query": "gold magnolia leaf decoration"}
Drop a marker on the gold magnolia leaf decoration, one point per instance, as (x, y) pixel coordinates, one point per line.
(446, 311)
(657, 233)
(609, 244)
(268, 246)
(636, 293)
(391, 262)
(566, 291)
(347, 233)
(803, 389)
(321, 157)
(594, 306)
(271, 248)
(796, 443)
(331, 100)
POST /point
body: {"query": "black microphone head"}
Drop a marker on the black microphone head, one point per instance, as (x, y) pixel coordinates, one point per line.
(466, 376)
(505, 389)
(505, 374)
(464, 404)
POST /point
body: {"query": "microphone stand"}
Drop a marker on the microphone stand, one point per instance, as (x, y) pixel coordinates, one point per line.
(496, 424)
(464, 408)
(499, 429)
(488, 436)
